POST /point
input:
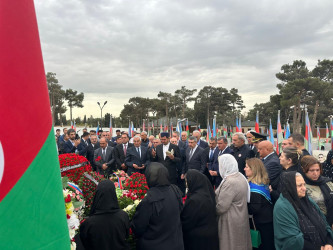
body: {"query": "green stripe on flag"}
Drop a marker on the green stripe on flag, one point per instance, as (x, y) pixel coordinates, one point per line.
(33, 213)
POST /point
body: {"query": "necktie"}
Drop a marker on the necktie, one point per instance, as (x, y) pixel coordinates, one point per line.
(138, 149)
(211, 155)
(104, 154)
(125, 150)
(191, 152)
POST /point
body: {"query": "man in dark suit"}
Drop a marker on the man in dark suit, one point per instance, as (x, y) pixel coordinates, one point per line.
(137, 157)
(82, 147)
(62, 144)
(109, 139)
(222, 148)
(91, 150)
(200, 142)
(104, 158)
(270, 160)
(180, 143)
(180, 182)
(121, 151)
(195, 158)
(250, 143)
(114, 139)
(241, 151)
(72, 144)
(209, 157)
(169, 155)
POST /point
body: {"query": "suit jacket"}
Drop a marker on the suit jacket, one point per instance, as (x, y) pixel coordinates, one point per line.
(69, 148)
(182, 144)
(82, 147)
(171, 165)
(197, 160)
(133, 157)
(215, 166)
(203, 144)
(90, 154)
(109, 160)
(112, 144)
(119, 154)
(273, 166)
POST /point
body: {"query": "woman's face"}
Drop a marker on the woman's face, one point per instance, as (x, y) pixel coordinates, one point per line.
(284, 161)
(300, 186)
(248, 171)
(314, 172)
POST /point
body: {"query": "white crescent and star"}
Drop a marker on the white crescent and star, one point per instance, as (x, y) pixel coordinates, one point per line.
(2, 162)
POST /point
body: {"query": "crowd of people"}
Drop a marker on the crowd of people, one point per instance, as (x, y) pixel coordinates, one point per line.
(229, 190)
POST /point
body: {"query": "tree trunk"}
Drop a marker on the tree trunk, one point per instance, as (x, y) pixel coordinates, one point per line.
(70, 111)
(315, 112)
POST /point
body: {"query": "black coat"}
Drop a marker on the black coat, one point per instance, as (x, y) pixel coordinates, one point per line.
(171, 165)
(156, 222)
(241, 154)
(90, 154)
(199, 221)
(273, 166)
(108, 226)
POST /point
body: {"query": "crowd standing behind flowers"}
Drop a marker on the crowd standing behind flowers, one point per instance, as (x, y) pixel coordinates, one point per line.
(81, 179)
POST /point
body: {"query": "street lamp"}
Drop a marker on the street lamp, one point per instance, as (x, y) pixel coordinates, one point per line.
(102, 110)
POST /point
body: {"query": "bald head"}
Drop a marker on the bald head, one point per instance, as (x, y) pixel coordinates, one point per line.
(265, 148)
(103, 142)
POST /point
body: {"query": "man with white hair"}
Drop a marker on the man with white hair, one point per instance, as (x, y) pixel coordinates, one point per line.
(241, 151)
(200, 142)
(144, 139)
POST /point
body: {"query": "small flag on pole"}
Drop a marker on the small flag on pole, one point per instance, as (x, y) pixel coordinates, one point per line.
(257, 122)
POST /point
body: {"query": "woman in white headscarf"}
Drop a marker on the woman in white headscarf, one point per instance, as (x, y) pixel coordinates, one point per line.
(232, 197)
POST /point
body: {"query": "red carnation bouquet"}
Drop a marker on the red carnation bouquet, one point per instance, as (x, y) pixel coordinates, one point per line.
(73, 166)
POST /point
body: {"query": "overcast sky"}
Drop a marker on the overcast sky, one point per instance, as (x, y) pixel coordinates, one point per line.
(114, 50)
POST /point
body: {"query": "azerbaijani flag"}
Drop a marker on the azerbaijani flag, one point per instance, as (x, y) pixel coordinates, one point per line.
(287, 134)
(72, 126)
(240, 124)
(279, 135)
(225, 131)
(257, 122)
(271, 135)
(187, 129)
(318, 138)
(129, 129)
(97, 129)
(110, 125)
(214, 126)
(331, 121)
(237, 125)
(199, 128)
(32, 205)
(308, 133)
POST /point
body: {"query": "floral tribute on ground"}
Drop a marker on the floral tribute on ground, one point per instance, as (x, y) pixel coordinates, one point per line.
(73, 166)
(80, 183)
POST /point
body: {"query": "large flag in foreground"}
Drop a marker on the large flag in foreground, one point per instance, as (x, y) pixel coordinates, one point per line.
(32, 206)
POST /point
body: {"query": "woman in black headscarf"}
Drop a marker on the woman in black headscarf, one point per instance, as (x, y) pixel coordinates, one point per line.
(156, 222)
(298, 221)
(199, 214)
(107, 226)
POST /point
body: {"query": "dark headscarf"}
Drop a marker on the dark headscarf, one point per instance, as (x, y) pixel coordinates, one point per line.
(105, 199)
(304, 208)
(326, 192)
(158, 182)
(157, 175)
(199, 183)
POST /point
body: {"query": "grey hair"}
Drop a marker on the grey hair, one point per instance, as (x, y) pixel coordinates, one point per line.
(176, 132)
(193, 138)
(298, 174)
(144, 132)
(240, 136)
(196, 131)
(137, 137)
